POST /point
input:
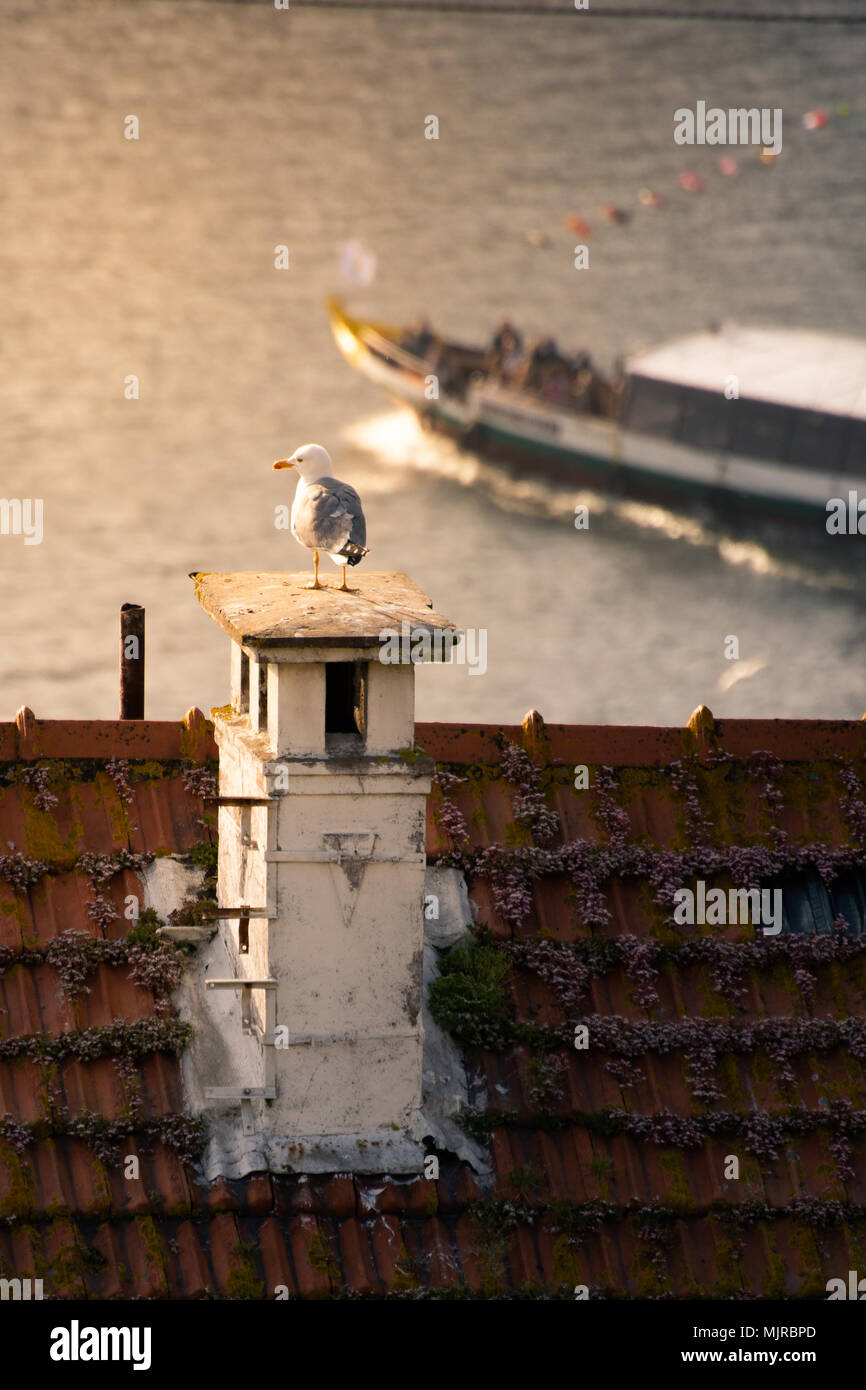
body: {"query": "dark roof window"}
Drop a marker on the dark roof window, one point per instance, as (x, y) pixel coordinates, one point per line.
(810, 907)
(654, 407)
(817, 441)
(760, 430)
(855, 458)
(707, 420)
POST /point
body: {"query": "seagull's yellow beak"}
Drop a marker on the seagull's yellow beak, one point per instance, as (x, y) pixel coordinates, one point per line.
(284, 463)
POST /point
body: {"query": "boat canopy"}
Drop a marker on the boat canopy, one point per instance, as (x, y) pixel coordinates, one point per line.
(799, 368)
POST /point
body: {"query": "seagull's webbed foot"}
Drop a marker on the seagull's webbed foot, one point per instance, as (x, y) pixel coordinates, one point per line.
(315, 584)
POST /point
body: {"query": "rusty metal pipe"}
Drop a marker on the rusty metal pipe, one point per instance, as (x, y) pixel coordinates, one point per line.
(131, 661)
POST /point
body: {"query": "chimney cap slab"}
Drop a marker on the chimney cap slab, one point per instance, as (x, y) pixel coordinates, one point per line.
(276, 610)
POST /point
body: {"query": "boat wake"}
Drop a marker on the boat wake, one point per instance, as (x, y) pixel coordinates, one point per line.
(396, 439)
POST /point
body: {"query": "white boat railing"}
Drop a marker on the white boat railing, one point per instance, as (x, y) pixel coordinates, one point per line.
(386, 348)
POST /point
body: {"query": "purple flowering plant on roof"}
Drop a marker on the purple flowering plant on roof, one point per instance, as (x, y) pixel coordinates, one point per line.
(120, 772)
(530, 808)
(20, 871)
(38, 779)
(451, 818)
(157, 968)
(853, 804)
(608, 812)
(198, 780)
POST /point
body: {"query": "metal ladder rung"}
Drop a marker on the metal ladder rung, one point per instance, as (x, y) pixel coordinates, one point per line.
(216, 914)
(241, 983)
(242, 800)
(243, 1093)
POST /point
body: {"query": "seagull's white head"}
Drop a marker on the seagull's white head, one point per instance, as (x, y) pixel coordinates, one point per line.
(311, 461)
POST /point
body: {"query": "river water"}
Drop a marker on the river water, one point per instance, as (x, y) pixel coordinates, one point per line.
(154, 258)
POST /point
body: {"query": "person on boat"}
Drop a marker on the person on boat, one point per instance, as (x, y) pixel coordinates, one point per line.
(581, 386)
(506, 339)
(419, 340)
(505, 354)
(556, 384)
(544, 365)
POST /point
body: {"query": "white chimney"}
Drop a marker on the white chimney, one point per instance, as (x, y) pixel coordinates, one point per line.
(309, 1047)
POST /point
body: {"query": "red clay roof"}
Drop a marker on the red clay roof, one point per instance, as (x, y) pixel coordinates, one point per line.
(582, 1193)
(566, 1132)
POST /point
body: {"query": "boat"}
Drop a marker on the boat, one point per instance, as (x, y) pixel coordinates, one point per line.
(736, 419)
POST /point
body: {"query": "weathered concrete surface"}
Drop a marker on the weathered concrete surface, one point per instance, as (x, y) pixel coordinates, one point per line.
(221, 1054)
(272, 609)
(221, 1049)
(168, 883)
(445, 1087)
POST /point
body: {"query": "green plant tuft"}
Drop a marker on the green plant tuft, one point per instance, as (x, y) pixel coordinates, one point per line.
(470, 1000)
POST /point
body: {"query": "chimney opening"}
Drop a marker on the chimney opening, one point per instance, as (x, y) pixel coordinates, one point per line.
(345, 701)
(263, 696)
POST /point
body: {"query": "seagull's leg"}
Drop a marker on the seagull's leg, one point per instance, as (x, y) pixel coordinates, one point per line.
(315, 584)
(344, 585)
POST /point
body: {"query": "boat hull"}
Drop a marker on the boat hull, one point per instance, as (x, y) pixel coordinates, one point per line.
(598, 471)
(588, 451)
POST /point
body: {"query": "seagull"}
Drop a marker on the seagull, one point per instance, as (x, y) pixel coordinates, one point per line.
(326, 514)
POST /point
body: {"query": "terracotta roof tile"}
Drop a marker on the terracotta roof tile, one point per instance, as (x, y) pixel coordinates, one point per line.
(275, 1261)
(391, 1199)
(311, 1250)
(114, 1275)
(389, 1252)
(446, 1202)
(303, 1197)
(339, 1197)
(258, 1195)
(359, 1268)
(472, 1266)
(440, 1261)
(223, 1196)
(224, 1236)
(467, 1188)
(503, 1144)
(194, 1277)
(421, 1197)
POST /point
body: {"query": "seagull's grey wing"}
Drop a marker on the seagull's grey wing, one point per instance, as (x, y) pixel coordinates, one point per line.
(352, 502)
(328, 515)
